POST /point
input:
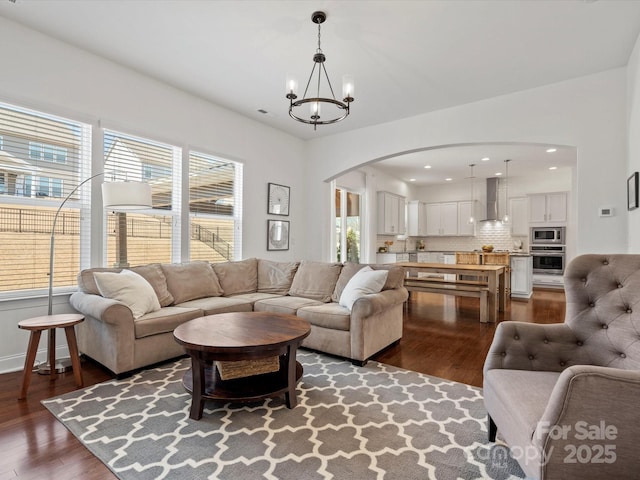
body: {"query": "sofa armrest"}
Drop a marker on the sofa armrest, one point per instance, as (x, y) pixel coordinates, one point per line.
(378, 302)
(534, 346)
(593, 409)
(100, 308)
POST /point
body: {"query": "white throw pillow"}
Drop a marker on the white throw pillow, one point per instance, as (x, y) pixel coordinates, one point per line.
(365, 281)
(129, 288)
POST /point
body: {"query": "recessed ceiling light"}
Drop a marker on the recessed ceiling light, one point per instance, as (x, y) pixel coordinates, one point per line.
(485, 159)
(427, 166)
(551, 150)
(498, 174)
(553, 168)
(448, 179)
(412, 179)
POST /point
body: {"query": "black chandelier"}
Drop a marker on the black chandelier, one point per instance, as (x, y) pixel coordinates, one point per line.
(332, 110)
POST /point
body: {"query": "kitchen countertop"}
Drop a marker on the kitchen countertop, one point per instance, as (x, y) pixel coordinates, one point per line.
(513, 254)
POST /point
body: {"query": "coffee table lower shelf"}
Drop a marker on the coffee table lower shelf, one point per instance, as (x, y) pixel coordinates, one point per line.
(246, 389)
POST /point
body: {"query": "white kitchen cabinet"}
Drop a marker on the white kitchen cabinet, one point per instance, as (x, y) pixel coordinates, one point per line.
(521, 276)
(391, 214)
(548, 280)
(449, 259)
(466, 210)
(518, 217)
(421, 257)
(442, 219)
(392, 257)
(416, 219)
(548, 208)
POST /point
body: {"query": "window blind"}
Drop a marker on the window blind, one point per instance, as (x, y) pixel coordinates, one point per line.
(137, 238)
(43, 158)
(215, 208)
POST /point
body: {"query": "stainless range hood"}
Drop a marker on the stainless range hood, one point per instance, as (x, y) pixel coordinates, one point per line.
(492, 200)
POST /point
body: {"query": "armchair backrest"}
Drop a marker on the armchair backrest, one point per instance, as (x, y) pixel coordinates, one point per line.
(603, 307)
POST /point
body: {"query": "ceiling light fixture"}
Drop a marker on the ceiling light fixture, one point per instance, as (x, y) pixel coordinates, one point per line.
(485, 159)
(334, 110)
(505, 219)
(427, 166)
(551, 150)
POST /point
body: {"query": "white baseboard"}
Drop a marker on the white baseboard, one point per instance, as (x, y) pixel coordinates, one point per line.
(14, 363)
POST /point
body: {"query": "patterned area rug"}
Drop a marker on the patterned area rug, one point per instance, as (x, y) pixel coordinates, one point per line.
(356, 423)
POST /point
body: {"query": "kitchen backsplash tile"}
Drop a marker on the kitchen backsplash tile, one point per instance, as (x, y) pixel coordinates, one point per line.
(487, 233)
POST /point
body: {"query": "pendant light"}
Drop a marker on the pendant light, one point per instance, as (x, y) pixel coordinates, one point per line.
(506, 219)
(323, 106)
(471, 177)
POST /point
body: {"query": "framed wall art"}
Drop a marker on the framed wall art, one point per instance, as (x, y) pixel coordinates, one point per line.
(632, 192)
(277, 235)
(278, 199)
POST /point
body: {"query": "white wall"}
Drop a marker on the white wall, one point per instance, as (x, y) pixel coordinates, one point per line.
(588, 113)
(633, 126)
(42, 73)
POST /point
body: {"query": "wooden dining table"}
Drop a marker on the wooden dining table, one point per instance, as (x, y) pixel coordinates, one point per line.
(495, 275)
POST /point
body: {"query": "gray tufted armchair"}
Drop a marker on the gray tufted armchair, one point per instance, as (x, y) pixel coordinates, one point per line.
(566, 397)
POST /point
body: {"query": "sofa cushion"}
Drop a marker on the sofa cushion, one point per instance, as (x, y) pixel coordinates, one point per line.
(164, 320)
(395, 277)
(348, 270)
(254, 297)
(529, 391)
(213, 305)
(155, 276)
(275, 277)
(328, 315)
(364, 282)
(315, 280)
(188, 281)
(130, 289)
(238, 277)
(288, 305)
(87, 282)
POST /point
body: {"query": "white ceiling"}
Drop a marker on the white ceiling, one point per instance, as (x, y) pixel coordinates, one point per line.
(408, 57)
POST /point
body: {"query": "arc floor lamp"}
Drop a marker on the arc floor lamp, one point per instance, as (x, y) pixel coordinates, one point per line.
(116, 195)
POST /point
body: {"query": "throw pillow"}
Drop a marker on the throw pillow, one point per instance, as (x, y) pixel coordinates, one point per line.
(364, 282)
(129, 288)
(155, 276)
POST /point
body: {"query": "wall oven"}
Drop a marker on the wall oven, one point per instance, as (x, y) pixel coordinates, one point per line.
(547, 235)
(548, 259)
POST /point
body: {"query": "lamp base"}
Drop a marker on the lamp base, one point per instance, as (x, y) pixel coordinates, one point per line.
(62, 365)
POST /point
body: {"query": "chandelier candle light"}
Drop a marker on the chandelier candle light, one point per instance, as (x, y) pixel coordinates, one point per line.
(322, 110)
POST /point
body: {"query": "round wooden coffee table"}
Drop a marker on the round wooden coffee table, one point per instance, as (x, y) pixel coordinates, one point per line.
(241, 336)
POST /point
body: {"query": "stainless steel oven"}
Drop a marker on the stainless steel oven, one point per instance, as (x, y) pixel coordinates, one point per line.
(548, 259)
(547, 235)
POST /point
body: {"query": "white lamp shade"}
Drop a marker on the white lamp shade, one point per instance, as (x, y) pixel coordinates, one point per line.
(126, 195)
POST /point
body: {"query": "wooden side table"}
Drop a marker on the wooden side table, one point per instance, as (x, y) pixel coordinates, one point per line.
(50, 322)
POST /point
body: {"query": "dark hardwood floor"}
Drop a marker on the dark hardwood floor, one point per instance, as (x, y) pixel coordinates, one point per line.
(442, 337)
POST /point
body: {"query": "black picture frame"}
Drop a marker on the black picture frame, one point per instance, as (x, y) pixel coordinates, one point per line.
(632, 191)
(277, 235)
(278, 199)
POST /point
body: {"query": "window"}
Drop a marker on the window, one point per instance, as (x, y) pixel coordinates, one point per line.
(137, 238)
(347, 228)
(43, 159)
(215, 208)
(50, 153)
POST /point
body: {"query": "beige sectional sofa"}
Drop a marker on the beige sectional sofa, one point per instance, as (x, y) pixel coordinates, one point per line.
(311, 290)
